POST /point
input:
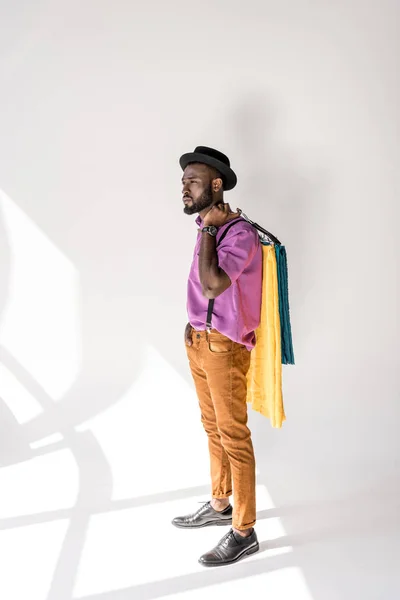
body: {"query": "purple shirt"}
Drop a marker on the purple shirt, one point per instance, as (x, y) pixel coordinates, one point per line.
(237, 310)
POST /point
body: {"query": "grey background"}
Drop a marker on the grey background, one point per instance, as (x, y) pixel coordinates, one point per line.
(98, 100)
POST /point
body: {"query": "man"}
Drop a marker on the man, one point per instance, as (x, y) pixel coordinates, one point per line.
(230, 274)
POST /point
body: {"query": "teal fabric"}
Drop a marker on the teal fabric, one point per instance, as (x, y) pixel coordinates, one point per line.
(284, 313)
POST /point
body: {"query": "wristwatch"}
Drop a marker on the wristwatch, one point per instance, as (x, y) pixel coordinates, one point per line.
(211, 229)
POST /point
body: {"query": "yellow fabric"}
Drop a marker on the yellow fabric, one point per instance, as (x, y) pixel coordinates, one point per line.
(264, 378)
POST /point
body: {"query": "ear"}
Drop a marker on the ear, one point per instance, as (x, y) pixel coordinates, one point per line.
(217, 184)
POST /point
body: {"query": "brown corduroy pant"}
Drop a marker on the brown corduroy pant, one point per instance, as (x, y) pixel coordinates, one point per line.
(219, 367)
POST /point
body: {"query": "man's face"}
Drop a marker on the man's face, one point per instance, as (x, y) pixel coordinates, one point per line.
(196, 188)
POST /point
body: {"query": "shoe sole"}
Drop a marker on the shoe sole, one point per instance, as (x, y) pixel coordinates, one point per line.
(248, 552)
(208, 524)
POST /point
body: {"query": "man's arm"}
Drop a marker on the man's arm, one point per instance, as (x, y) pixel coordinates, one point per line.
(213, 279)
(217, 271)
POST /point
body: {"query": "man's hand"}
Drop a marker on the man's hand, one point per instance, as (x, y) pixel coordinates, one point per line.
(188, 335)
(219, 215)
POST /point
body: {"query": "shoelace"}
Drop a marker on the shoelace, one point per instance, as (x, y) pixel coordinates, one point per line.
(226, 539)
(205, 507)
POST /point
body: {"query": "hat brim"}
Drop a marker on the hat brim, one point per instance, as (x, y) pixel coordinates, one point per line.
(229, 176)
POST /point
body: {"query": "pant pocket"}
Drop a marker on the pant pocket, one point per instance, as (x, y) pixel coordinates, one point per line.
(218, 344)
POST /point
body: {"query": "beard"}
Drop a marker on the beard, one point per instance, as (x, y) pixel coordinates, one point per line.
(202, 203)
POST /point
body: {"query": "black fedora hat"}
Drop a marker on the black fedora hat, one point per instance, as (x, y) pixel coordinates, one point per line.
(213, 158)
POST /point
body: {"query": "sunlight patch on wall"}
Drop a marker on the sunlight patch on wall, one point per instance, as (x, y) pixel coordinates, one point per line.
(47, 441)
(20, 402)
(40, 323)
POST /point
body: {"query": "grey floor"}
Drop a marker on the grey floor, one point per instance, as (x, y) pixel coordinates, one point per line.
(87, 514)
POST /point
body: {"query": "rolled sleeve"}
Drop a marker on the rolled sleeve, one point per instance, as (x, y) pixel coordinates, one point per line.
(236, 252)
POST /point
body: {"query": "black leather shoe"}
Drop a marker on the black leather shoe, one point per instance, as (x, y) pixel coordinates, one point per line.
(231, 548)
(204, 517)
